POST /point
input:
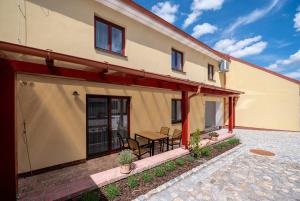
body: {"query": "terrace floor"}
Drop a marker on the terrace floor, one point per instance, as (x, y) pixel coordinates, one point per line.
(74, 179)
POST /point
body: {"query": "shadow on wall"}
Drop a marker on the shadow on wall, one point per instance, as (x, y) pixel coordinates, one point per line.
(56, 120)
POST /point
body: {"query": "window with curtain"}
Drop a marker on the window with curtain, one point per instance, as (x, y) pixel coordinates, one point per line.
(210, 71)
(109, 37)
(176, 110)
(177, 60)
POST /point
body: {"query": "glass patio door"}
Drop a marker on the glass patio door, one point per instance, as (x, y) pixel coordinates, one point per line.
(97, 126)
(106, 116)
(119, 120)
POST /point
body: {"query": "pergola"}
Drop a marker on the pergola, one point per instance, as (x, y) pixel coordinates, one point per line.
(22, 59)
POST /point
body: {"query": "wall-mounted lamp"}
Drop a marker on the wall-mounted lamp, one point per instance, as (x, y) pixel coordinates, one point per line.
(75, 93)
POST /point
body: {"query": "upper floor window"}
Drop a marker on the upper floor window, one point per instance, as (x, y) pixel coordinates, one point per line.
(176, 111)
(177, 60)
(211, 72)
(109, 37)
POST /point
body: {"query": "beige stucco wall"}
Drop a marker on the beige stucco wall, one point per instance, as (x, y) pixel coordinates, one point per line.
(56, 120)
(269, 101)
(68, 27)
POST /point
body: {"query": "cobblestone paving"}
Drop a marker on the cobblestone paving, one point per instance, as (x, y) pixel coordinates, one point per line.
(241, 175)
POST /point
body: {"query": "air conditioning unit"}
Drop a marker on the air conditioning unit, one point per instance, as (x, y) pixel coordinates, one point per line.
(224, 66)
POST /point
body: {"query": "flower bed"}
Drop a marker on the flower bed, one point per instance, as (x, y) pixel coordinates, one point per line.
(138, 184)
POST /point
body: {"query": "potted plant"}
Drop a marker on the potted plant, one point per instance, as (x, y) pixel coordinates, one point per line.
(214, 136)
(125, 159)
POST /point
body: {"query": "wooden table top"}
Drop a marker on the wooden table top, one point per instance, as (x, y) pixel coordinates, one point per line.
(151, 135)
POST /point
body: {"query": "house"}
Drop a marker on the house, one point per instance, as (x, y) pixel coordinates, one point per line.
(74, 73)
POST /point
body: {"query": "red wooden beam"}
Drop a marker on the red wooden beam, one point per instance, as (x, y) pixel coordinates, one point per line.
(26, 67)
(230, 115)
(185, 115)
(8, 154)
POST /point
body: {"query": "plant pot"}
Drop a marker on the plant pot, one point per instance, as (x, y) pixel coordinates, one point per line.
(125, 169)
(214, 138)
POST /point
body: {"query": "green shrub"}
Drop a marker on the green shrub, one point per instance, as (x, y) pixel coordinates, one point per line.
(180, 161)
(170, 166)
(196, 152)
(125, 157)
(147, 177)
(89, 196)
(112, 191)
(190, 158)
(132, 182)
(220, 145)
(159, 171)
(195, 141)
(206, 151)
(233, 141)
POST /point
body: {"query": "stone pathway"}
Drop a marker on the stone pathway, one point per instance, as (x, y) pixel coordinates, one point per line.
(241, 175)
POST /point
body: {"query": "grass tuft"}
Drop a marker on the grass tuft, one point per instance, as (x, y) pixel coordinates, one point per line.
(170, 166)
(159, 171)
(180, 161)
(112, 191)
(147, 177)
(132, 182)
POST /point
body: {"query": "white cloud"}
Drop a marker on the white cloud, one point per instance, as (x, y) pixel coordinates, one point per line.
(202, 29)
(207, 4)
(292, 60)
(166, 10)
(192, 17)
(295, 75)
(198, 6)
(297, 20)
(242, 48)
(251, 17)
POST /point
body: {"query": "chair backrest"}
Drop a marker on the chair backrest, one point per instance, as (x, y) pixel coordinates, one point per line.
(177, 133)
(133, 144)
(164, 130)
(120, 140)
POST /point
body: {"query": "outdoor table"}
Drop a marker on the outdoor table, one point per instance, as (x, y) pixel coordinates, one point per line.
(153, 136)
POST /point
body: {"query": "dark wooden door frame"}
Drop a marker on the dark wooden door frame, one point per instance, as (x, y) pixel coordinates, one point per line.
(110, 151)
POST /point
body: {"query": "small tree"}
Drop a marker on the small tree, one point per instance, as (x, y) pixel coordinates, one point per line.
(195, 144)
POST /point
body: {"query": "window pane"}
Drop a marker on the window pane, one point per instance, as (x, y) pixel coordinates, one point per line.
(173, 59)
(179, 57)
(178, 110)
(116, 40)
(101, 35)
(173, 110)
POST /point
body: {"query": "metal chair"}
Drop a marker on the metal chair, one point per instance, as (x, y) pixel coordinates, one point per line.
(164, 131)
(121, 141)
(174, 139)
(136, 149)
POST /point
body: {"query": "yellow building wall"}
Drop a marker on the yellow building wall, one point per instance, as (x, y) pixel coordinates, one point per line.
(269, 101)
(68, 27)
(56, 120)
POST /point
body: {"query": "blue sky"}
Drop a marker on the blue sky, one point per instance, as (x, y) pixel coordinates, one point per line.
(264, 32)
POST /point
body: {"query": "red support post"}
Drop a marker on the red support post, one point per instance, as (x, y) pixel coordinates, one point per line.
(185, 115)
(233, 113)
(230, 115)
(8, 167)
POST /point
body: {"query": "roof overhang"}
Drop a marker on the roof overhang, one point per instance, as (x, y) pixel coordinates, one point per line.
(144, 16)
(45, 62)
